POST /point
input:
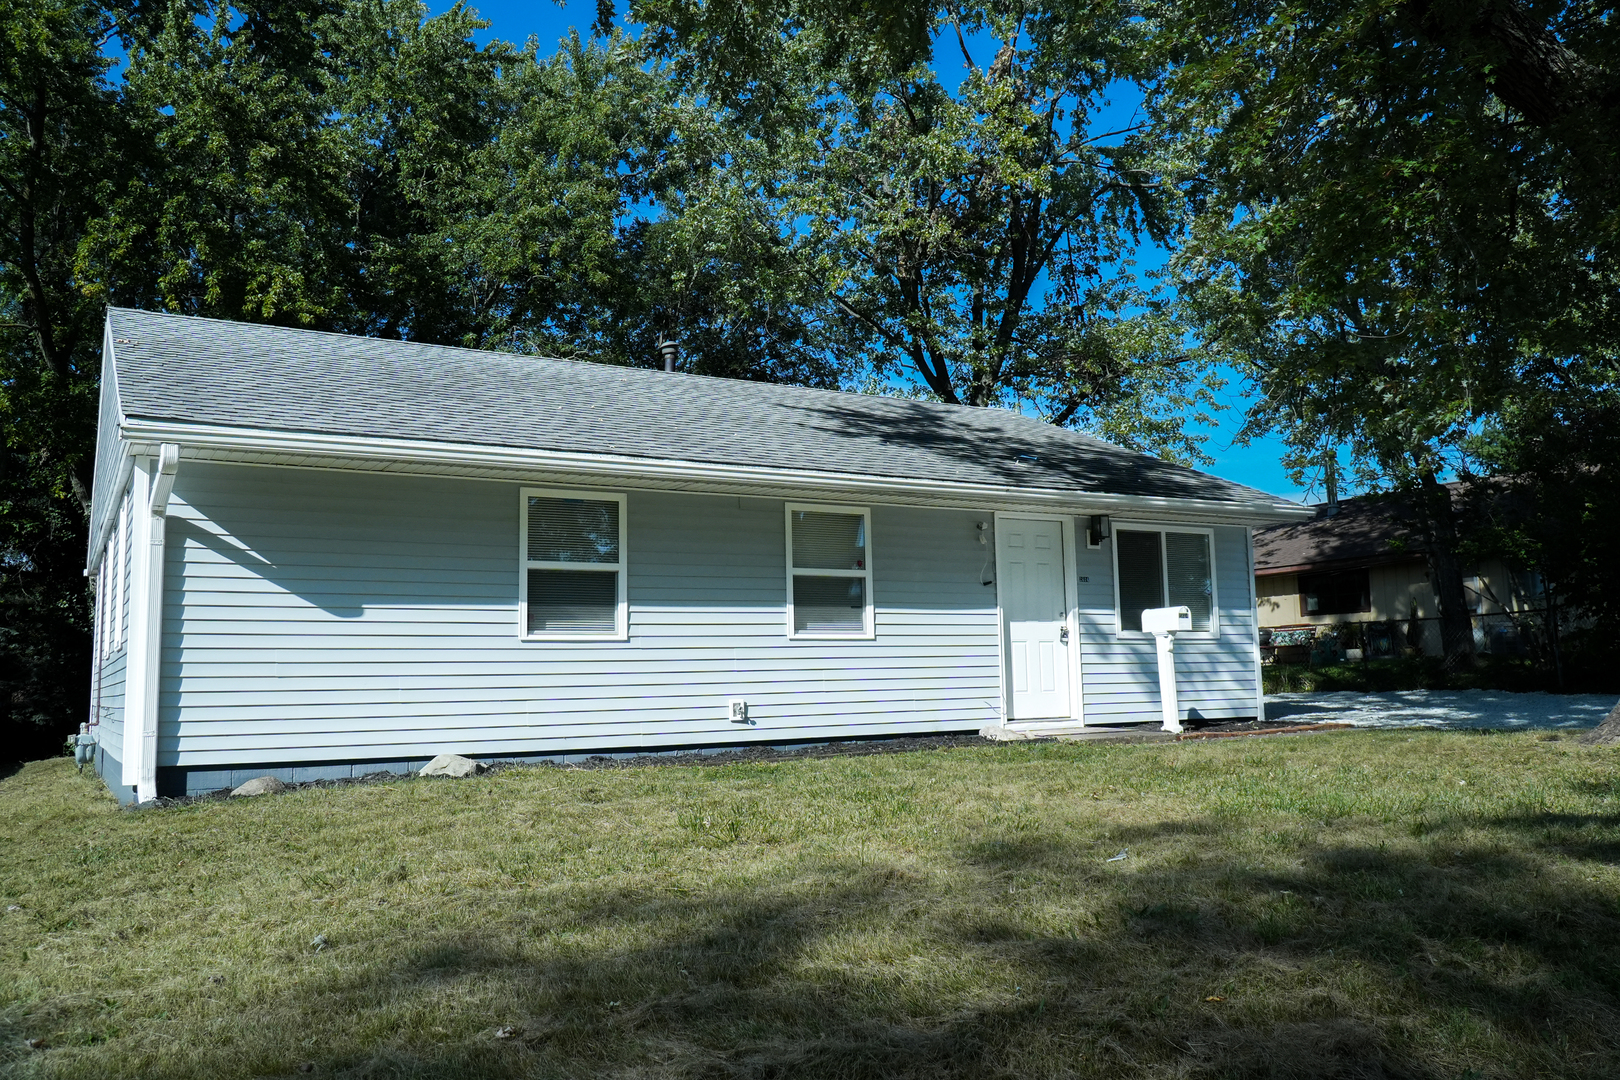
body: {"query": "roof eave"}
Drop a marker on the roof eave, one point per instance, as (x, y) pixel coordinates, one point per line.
(369, 454)
(1356, 563)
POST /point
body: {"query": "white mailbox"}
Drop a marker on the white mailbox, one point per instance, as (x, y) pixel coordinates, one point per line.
(1163, 623)
(1166, 620)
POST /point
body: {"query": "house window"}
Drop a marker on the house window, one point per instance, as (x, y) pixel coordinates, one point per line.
(829, 571)
(1341, 592)
(573, 575)
(1163, 568)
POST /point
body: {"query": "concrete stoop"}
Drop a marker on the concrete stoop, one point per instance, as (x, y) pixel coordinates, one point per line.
(1122, 733)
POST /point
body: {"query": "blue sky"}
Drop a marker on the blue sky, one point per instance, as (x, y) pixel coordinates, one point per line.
(1256, 465)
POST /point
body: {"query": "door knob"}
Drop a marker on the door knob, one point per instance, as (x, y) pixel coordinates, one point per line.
(1063, 634)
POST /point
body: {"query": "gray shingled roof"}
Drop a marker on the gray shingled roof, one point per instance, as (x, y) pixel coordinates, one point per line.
(1363, 531)
(208, 371)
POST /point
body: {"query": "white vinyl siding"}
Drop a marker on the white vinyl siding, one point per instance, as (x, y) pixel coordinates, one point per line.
(315, 615)
(107, 695)
(1164, 567)
(829, 554)
(573, 574)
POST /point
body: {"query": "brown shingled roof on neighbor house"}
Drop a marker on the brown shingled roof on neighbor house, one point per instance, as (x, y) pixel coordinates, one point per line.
(1365, 530)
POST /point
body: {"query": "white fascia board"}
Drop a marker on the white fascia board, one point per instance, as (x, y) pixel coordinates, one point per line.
(126, 459)
(315, 450)
(98, 543)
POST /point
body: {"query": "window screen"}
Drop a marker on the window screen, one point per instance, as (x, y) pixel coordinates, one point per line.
(830, 572)
(1186, 572)
(573, 562)
(1141, 575)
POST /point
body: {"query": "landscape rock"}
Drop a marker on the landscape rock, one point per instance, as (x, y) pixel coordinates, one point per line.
(261, 785)
(1606, 733)
(451, 765)
(997, 733)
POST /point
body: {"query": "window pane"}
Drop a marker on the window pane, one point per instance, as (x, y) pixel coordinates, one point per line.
(829, 605)
(823, 541)
(583, 600)
(1338, 593)
(1186, 559)
(573, 530)
(1141, 576)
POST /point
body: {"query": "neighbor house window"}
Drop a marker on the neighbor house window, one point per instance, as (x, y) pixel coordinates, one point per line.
(1341, 592)
(1163, 568)
(829, 571)
(573, 579)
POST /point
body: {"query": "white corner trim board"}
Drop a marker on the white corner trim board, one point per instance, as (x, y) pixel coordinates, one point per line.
(1254, 623)
(262, 446)
(153, 482)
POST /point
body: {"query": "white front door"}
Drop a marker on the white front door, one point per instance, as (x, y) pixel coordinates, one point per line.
(1035, 607)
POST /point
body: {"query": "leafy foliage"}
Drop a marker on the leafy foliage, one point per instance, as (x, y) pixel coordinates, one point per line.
(1550, 505)
(970, 241)
(1401, 235)
(59, 132)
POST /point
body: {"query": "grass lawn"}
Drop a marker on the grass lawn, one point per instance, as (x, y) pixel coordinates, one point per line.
(1362, 904)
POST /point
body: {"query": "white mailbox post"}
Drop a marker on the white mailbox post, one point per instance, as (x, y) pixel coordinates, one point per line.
(1162, 623)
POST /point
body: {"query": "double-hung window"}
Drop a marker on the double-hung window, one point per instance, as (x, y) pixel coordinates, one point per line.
(829, 571)
(572, 585)
(1164, 568)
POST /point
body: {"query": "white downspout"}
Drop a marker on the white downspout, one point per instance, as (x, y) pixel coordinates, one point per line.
(154, 480)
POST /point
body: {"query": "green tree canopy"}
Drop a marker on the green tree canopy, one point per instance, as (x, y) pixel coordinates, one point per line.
(1404, 222)
(968, 239)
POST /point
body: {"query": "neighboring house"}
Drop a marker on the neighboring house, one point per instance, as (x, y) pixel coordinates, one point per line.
(323, 556)
(1363, 561)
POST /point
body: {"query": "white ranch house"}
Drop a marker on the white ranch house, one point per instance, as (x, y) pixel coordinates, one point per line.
(318, 555)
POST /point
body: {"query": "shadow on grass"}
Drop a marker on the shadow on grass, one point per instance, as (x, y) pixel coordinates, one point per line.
(1358, 962)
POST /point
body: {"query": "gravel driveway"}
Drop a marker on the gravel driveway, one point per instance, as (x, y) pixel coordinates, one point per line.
(1443, 709)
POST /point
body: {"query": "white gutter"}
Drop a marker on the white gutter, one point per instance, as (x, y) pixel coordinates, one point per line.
(208, 441)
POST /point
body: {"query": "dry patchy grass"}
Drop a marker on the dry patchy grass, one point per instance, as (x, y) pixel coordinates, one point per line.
(1369, 904)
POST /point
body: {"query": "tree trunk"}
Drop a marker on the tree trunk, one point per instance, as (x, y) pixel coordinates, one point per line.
(1552, 629)
(1456, 625)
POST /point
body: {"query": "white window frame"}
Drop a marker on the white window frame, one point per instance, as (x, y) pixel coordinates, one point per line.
(1120, 633)
(621, 631)
(868, 618)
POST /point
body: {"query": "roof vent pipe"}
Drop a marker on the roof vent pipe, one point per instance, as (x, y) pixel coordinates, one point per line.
(671, 351)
